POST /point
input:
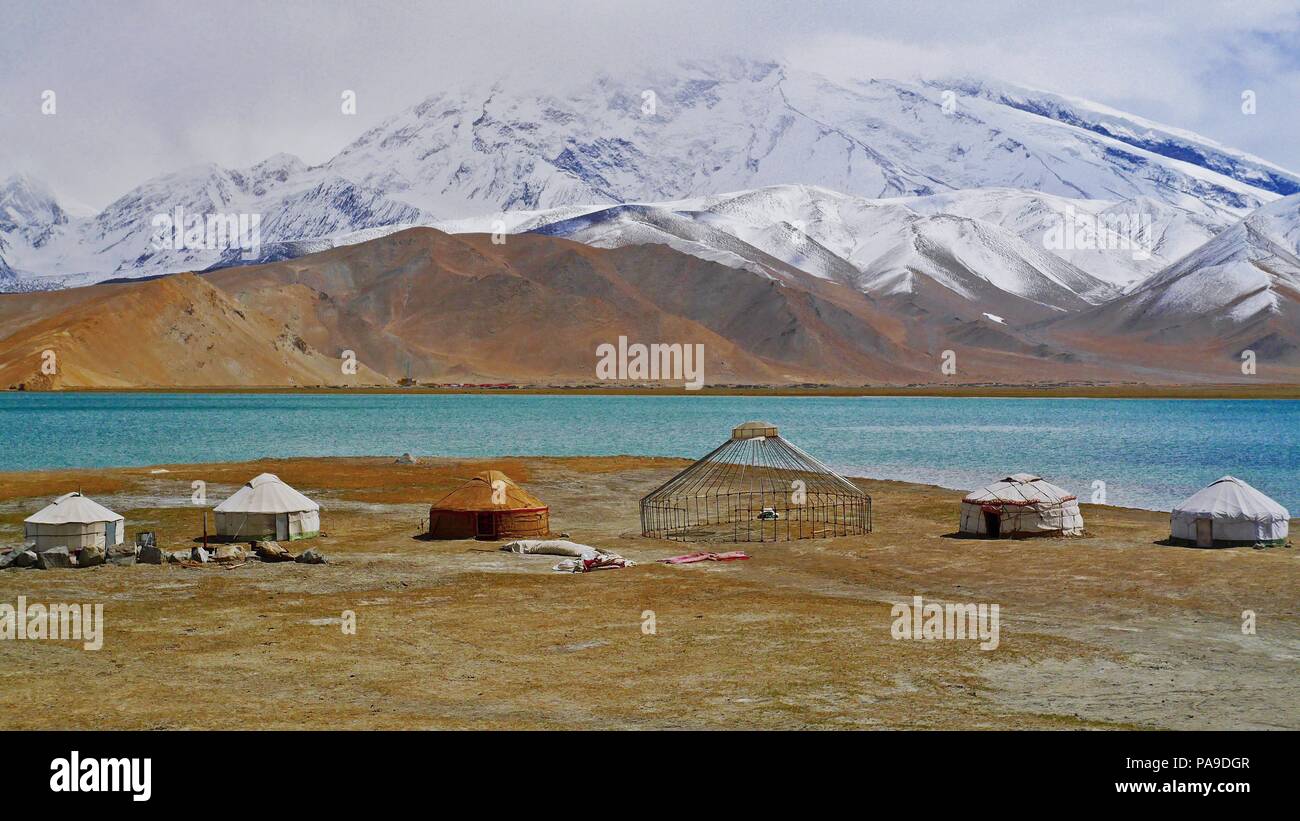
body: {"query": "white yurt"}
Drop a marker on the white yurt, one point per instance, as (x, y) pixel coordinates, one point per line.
(1228, 513)
(267, 508)
(74, 521)
(1021, 505)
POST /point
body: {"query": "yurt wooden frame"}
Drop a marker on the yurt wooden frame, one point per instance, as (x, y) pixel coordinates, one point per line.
(720, 497)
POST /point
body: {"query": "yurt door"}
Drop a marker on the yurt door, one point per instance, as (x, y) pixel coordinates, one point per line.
(485, 530)
(110, 534)
(993, 524)
(1205, 533)
(282, 527)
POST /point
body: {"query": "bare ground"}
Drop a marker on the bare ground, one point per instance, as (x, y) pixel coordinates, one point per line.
(1108, 631)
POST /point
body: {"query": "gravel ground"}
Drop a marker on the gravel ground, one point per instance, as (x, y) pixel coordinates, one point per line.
(1112, 630)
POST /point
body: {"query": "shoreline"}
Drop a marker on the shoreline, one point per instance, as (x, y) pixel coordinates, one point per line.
(54, 474)
(1062, 391)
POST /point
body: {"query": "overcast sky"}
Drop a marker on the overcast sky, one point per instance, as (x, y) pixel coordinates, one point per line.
(147, 87)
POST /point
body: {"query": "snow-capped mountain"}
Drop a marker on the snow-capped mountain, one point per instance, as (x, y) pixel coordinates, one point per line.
(1160, 232)
(1137, 132)
(706, 128)
(698, 130)
(28, 211)
(882, 247)
(279, 200)
(1245, 273)
(1239, 291)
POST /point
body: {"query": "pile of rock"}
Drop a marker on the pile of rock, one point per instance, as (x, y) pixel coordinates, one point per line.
(272, 552)
(23, 556)
(54, 557)
(123, 554)
(269, 551)
(311, 556)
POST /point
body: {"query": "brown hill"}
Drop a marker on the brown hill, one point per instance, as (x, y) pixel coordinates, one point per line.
(178, 330)
(534, 309)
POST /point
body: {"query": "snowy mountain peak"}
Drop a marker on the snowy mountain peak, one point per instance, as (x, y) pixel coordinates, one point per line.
(1241, 287)
(1137, 132)
(30, 209)
(1265, 244)
(1019, 162)
(1279, 221)
(271, 172)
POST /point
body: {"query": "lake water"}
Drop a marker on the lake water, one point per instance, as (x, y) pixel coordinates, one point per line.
(1149, 453)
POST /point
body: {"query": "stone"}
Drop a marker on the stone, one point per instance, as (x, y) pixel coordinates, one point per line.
(121, 554)
(228, 553)
(90, 556)
(405, 459)
(17, 558)
(269, 551)
(310, 556)
(54, 557)
(150, 554)
(178, 556)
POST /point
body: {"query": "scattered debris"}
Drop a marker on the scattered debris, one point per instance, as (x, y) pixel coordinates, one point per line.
(311, 556)
(585, 557)
(54, 557)
(582, 645)
(705, 556)
(405, 459)
(198, 554)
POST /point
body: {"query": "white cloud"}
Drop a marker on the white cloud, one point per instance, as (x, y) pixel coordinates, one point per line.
(149, 87)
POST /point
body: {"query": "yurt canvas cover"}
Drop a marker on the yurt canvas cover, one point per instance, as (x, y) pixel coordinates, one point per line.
(489, 506)
(1228, 513)
(74, 521)
(267, 508)
(1021, 505)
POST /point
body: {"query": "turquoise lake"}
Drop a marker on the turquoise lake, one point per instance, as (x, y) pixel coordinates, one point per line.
(1149, 453)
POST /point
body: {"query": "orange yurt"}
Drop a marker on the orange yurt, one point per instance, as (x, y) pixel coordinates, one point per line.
(489, 506)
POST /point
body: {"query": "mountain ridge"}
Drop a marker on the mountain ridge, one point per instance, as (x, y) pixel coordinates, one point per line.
(716, 126)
